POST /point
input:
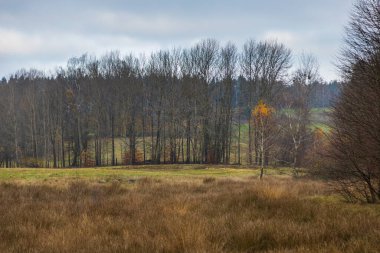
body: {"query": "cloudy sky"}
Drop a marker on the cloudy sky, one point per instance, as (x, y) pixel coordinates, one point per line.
(45, 33)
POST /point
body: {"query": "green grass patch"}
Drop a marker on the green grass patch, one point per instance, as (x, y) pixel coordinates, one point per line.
(321, 110)
(159, 171)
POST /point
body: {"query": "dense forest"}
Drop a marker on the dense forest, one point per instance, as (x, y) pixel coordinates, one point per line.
(205, 104)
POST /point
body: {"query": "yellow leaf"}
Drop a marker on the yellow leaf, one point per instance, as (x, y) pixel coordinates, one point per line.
(262, 110)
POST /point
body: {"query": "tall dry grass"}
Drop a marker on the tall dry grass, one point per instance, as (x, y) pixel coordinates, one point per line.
(210, 216)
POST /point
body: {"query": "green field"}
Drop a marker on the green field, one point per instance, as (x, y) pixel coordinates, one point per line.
(128, 173)
(320, 119)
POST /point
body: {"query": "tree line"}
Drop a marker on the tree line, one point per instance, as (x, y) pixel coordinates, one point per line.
(193, 105)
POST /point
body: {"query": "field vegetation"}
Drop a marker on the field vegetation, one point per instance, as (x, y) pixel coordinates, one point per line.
(178, 209)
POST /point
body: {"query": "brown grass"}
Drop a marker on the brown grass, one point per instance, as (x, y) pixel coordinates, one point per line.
(213, 215)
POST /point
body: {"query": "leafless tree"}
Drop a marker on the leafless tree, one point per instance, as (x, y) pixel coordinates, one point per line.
(264, 65)
(180, 105)
(296, 114)
(355, 138)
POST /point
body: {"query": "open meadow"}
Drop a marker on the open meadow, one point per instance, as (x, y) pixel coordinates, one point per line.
(181, 208)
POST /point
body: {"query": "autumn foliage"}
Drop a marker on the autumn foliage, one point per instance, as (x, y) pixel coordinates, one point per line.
(262, 110)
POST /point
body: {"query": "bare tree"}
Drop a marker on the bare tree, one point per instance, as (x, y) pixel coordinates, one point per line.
(204, 55)
(296, 114)
(251, 64)
(355, 138)
(175, 106)
(264, 65)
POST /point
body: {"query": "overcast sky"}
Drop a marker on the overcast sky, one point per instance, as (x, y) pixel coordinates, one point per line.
(45, 33)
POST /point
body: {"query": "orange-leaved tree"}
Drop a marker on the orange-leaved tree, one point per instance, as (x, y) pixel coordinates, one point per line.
(263, 115)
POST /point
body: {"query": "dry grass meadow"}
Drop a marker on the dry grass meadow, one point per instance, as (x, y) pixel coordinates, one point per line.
(178, 210)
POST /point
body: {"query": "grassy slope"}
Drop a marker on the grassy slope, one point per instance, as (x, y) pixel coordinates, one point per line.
(319, 119)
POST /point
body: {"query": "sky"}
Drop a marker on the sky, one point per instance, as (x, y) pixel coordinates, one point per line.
(44, 34)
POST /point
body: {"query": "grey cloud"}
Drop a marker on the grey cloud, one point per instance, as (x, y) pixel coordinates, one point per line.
(48, 32)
